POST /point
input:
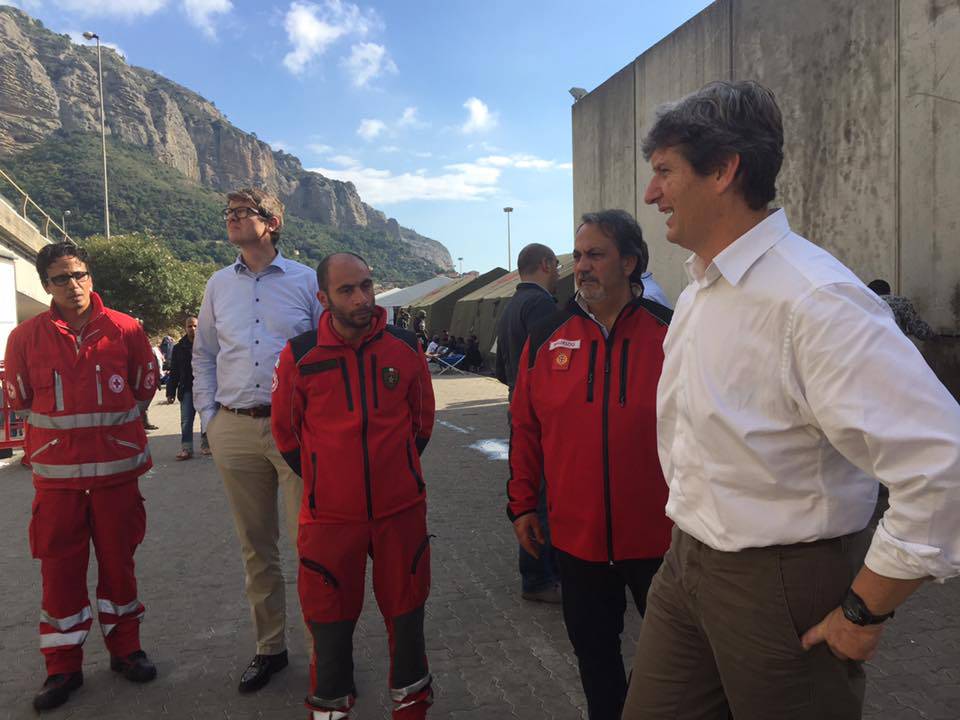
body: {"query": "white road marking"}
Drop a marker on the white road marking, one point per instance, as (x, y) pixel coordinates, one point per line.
(453, 427)
(493, 449)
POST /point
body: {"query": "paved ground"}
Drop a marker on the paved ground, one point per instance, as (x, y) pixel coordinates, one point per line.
(493, 655)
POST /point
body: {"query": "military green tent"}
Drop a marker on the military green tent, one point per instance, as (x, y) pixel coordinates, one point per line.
(438, 304)
(478, 313)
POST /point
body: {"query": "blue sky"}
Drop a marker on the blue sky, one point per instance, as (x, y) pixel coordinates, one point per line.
(441, 112)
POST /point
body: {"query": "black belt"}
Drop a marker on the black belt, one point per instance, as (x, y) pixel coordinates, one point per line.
(260, 411)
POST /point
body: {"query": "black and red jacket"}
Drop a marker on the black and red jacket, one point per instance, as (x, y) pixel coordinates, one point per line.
(82, 390)
(584, 415)
(353, 420)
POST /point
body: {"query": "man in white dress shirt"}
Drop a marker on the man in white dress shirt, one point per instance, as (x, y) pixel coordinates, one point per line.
(787, 392)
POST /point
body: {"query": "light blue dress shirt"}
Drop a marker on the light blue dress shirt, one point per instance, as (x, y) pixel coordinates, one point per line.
(652, 290)
(245, 320)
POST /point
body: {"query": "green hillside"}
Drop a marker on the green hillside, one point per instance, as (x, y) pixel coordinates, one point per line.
(65, 173)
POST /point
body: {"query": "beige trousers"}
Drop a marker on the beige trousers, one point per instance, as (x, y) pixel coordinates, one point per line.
(252, 469)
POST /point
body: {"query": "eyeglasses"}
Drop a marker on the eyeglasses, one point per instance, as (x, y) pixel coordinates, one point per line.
(241, 213)
(62, 280)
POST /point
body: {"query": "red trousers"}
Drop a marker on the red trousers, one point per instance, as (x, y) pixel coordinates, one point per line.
(63, 524)
(333, 561)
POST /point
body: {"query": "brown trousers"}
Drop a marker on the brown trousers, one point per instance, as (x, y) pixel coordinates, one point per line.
(722, 631)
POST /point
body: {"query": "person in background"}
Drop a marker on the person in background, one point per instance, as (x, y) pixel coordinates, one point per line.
(533, 301)
(652, 290)
(249, 311)
(180, 387)
(80, 369)
(906, 315)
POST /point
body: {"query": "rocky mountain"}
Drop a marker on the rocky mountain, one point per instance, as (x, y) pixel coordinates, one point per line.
(48, 85)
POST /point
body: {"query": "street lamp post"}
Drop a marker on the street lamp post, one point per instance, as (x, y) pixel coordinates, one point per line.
(461, 264)
(103, 134)
(63, 222)
(508, 210)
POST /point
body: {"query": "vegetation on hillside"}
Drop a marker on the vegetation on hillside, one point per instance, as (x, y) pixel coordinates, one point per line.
(65, 172)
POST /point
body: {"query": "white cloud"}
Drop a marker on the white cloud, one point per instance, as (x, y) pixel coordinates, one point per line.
(279, 145)
(370, 129)
(319, 148)
(522, 161)
(410, 118)
(203, 13)
(345, 160)
(480, 118)
(368, 61)
(389, 149)
(126, 9)
(77, 37)
(462, 181)
(425, 154)
(313, 27)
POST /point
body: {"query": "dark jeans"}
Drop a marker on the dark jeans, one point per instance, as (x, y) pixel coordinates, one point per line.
(187, 415)
(541, 573)
(594, 603)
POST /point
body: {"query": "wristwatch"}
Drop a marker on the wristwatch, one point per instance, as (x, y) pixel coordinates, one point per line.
(855, 610)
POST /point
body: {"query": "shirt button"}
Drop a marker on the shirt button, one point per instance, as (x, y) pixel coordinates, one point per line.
(257, 364)
(258, 319)
(258, 299)
(258, 279)
(258, 384)
(256, 342)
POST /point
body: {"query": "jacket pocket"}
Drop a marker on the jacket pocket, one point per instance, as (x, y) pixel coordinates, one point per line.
(413, 469)
(43, 448)
(312, 566)
(125, 443)
(424, 546)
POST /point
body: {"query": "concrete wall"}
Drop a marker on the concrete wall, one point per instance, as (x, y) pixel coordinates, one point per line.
(870, 92)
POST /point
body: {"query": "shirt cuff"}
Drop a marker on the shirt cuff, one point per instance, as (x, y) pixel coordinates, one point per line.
(902, 560)
(206, 415)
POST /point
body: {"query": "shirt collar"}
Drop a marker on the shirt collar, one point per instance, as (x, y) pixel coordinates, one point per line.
(739, 256)
(531, 284)
(279, 262)
(637, 291)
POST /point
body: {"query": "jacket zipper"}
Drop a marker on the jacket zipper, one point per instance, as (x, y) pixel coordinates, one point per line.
(327, 576)
(420, 551)
(312, 498)
(593, 362)
(125, 443)
(606, 449)
(58, 389)
(44, 447)
(346, 383)
(413, 469)
(363, 433)
(373, 381)
(99, 388)
(624, 348)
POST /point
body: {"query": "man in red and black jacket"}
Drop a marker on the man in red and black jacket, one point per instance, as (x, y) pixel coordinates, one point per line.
(352, 412)
(80, 369)
(584, 416)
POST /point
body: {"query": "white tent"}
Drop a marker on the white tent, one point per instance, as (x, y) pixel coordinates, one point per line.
(402, 297)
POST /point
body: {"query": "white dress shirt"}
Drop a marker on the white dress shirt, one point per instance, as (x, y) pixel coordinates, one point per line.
(245, 320)
(787, 391)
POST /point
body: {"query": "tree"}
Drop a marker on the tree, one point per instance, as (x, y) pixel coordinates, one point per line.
(139, 275)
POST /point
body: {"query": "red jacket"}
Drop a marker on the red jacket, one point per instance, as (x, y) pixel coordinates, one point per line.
(584, 416)
(82, 391)
(353, 420)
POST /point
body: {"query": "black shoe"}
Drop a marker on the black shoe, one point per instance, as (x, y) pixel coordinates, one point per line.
(150, 426)
(135, 667)
(260, 669)
(56, 690)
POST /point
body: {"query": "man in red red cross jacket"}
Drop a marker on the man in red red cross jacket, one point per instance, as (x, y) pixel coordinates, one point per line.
(80, 369)
(352, 412)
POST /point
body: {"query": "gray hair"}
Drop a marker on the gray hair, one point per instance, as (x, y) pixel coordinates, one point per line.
(720, 120)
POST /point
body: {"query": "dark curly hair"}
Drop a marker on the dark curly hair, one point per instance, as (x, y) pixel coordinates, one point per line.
(49, 254)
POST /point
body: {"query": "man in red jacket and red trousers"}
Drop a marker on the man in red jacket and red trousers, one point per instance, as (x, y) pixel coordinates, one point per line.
(584, 415)
(80, 369)
(352, 411)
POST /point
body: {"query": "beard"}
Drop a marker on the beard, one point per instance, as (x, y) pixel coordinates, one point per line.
(357, 319)
(591, 291)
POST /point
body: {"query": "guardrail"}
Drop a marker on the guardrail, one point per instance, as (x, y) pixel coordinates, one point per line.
(26, 203)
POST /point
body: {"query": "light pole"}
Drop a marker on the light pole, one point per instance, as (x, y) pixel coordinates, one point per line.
(508, 210)
(63, 222)
(461, 264)
(103, 134)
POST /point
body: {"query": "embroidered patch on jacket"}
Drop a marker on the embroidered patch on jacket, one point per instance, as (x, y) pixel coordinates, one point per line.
(391, 376)
(564, 343)
(276, 382)
(561, 359)
(150, 380)
(115, 383)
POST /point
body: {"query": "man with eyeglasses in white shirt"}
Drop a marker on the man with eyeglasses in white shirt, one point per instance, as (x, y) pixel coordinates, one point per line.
(249, 311)
(781, 404)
